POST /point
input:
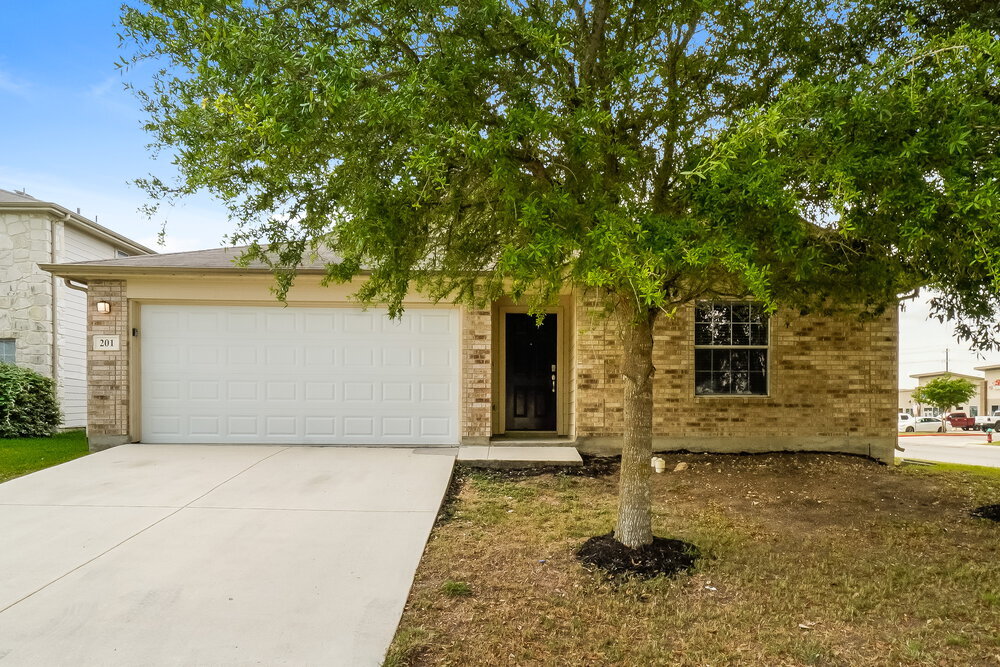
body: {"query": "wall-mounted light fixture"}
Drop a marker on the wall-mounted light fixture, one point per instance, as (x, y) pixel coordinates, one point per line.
(103, 307)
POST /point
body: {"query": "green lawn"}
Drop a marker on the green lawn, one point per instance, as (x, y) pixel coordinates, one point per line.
(21, 456)
(809, 559)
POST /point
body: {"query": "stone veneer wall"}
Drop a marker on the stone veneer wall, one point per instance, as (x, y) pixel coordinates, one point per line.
(476, 417)
(107, 371)
(832, 388)
(25, 290)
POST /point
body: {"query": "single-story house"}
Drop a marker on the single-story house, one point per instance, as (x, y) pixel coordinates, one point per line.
(190, 348)
(43, 320)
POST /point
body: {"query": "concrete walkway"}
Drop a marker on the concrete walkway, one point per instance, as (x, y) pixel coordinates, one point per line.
(214, 555)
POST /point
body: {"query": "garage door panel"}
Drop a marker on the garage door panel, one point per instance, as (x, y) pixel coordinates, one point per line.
(359, 355)
(321, 356)
(242, 390)
(320, 426)
(310, 375)
(242, 425)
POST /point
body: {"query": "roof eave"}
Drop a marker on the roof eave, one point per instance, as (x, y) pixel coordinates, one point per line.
(80, 222)
(83, 273)
(961, 375)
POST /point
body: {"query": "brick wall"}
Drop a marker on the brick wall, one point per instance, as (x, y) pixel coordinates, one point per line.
(832, 388)
(107, 371)
(476, 418)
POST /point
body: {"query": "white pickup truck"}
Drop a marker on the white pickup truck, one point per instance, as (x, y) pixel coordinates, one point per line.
(984, 422)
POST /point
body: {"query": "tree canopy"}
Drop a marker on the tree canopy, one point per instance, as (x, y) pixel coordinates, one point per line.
(944, 393)
(827, 155)
(797, 149)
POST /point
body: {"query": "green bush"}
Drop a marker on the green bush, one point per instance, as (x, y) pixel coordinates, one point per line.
(28, 406)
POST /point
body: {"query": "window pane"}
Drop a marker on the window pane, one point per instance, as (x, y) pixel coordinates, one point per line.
(758, 334)
(720, 360)
(702, 311)
(703, 383)
(758, 383)
(722, 383)
(741, 383)
(758, 360)
(741, 334)
(741, 312)
(703, 334)
(702, 360)
(739, 359)
(7, 351)
(719, 312)
(712, 333)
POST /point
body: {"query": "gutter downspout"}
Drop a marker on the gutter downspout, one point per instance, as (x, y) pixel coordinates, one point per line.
(69, 283)
(55, 300)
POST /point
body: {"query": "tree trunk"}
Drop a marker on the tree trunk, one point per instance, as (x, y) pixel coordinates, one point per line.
(635, 520)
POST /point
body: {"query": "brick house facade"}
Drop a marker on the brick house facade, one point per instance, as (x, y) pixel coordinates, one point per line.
(830, 381)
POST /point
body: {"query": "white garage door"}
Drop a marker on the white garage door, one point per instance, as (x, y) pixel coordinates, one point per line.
(247, 374)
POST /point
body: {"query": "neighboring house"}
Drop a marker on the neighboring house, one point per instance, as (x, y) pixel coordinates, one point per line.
(198, 351)
(975, 405)
(43, 321)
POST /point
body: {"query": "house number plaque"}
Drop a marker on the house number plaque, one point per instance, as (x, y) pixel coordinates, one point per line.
(107, 343)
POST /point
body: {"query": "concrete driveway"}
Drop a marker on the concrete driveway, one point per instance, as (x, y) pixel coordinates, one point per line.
(214, 555)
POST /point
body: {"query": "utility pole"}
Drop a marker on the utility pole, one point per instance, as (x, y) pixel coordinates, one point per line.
(946, 350)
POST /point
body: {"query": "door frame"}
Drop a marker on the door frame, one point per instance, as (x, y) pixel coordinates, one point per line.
(500, 368)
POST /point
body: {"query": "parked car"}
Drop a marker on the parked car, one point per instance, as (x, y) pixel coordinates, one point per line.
(984, 422)
(906, 422)
(960, 420)
(928, 425)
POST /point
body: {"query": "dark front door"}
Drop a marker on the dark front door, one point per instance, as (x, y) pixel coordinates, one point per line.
(531, 373)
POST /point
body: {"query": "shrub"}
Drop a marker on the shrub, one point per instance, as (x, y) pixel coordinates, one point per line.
(28, 406)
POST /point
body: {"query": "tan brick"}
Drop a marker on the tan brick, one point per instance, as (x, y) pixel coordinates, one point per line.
(828, 376)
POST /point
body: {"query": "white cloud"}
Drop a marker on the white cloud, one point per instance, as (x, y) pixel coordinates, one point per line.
(13, 86)
(104, 87)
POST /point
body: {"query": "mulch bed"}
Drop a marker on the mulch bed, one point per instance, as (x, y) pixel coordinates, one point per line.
(593, 466)
(991, 512)
(664, 557)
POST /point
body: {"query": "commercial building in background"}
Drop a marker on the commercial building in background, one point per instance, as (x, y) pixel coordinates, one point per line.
(977, 405)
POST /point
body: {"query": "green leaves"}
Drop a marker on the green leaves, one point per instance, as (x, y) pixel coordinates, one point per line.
(893, 169)
(806, 152)
(945, 393)
(28, 405)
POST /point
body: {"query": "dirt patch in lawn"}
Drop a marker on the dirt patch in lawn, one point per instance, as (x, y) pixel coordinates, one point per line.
(806, 559)
(991, 512)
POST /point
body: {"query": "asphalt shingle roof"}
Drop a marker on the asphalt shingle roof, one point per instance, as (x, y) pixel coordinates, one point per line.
(215, 258)
(8, 197)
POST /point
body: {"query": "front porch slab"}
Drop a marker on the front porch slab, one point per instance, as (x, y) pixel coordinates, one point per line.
(497, 456)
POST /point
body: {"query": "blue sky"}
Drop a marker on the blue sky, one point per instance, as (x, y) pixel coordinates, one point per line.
(72, 135)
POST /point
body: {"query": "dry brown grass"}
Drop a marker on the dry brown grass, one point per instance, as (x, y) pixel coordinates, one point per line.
(811, 559)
